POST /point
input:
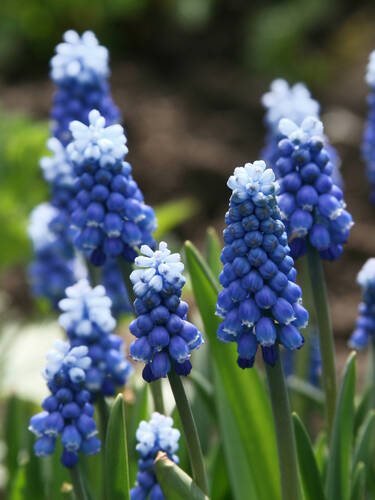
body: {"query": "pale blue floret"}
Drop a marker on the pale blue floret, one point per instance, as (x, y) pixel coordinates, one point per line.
(80, 58)
(75, 360)
(370, 73)
(310, 127)
(57, 169)
(39, 230)
(96, 142)
(156, 435)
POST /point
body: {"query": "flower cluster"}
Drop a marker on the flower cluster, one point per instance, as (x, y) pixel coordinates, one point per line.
(67, 411)
(368, 142)
(260, 302)
(365, 325)
(88, 321)
(55, 266)
(156, 435)
(163, 333)
(80, 71)
(311, 204)
(110, 217)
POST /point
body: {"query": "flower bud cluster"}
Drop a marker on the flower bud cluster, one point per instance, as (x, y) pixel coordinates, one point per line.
(67, 412)
(80, 71)
(88, 321)
(311, 204)
(110, 215)
(165, 338)
(260, 302)
(156, 435)
(54, 266)
(365, 325)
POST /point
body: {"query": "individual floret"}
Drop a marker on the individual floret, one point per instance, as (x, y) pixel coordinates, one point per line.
(260, 302)
(165, 338)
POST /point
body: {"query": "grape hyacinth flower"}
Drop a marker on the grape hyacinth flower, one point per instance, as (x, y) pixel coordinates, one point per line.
(55, 265)
(80, 71)
(156, 435)
(296, 104)
(260, 302)
(311, 204)
(368, 142)
(365, 325)
(88, 321)
(165, 338)
(67, 411)
(110, 217)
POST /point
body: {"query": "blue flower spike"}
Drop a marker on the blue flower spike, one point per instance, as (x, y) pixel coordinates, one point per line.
(312, 205)
(55, 266)
(156, 435)
(110, 217)
(365, 325)
(165, 338)
(67, 411)
(368, 141)
(80, 71)
(260, 301)
(88, 321)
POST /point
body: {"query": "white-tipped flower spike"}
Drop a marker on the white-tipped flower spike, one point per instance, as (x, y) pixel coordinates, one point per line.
(260, 303)
(365, 325)
(156, 435)
(39, 230)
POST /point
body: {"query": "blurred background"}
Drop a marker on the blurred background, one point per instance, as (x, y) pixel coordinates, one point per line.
(188, 76)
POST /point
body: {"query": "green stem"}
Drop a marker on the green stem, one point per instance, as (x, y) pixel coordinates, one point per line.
(103, 416)
(286, 444)
(157, 395)
(327, 347)
(77, 482)
(190, 431)
(94, 274)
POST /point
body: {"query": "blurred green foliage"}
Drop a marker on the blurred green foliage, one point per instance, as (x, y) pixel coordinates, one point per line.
(22, 143)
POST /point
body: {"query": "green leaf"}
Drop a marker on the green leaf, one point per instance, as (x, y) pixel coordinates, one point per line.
(311, 479)
(320, 450)
(213, 249)
(220, 486)
(19, 488)
(365, 442)
(205, 390)
(240, 473)
(171, 214)
(338, 472)
(136, 412)
(308, 391)
(362, 408)
(359, 482)
(116, 454)
(174, 482)
(245, 390)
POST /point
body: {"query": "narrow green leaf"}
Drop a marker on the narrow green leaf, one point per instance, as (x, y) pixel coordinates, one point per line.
(311, 479)
(213, 249)
(220, 486)
(362, 408)
(308, 391)
(171, 214)
(13, 437)
(320, 450)
(365, 442)
(240, 473)
(205, 390)
(136, 412)
(116, 454)
(244, 389)
(174, 482)
(338, 472)
(19, 488)
(359, 482)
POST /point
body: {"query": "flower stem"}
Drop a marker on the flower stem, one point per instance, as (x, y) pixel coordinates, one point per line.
(77, 482)
(286, 444)
(327, 347)
(190, 431)
(157, 396)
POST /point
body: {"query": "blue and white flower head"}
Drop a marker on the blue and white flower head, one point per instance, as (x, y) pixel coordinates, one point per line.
(284, 101)
(260, 303)
(111, 217)
(67, 411)
(88, 321)
(368, 141)
(156, 435)
(80, 71)
(365, 325)
(312, 205)
(59, 173)
(54, 266)
(165, 338)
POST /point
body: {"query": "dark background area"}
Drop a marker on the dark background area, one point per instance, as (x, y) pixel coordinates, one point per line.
(188, 76)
